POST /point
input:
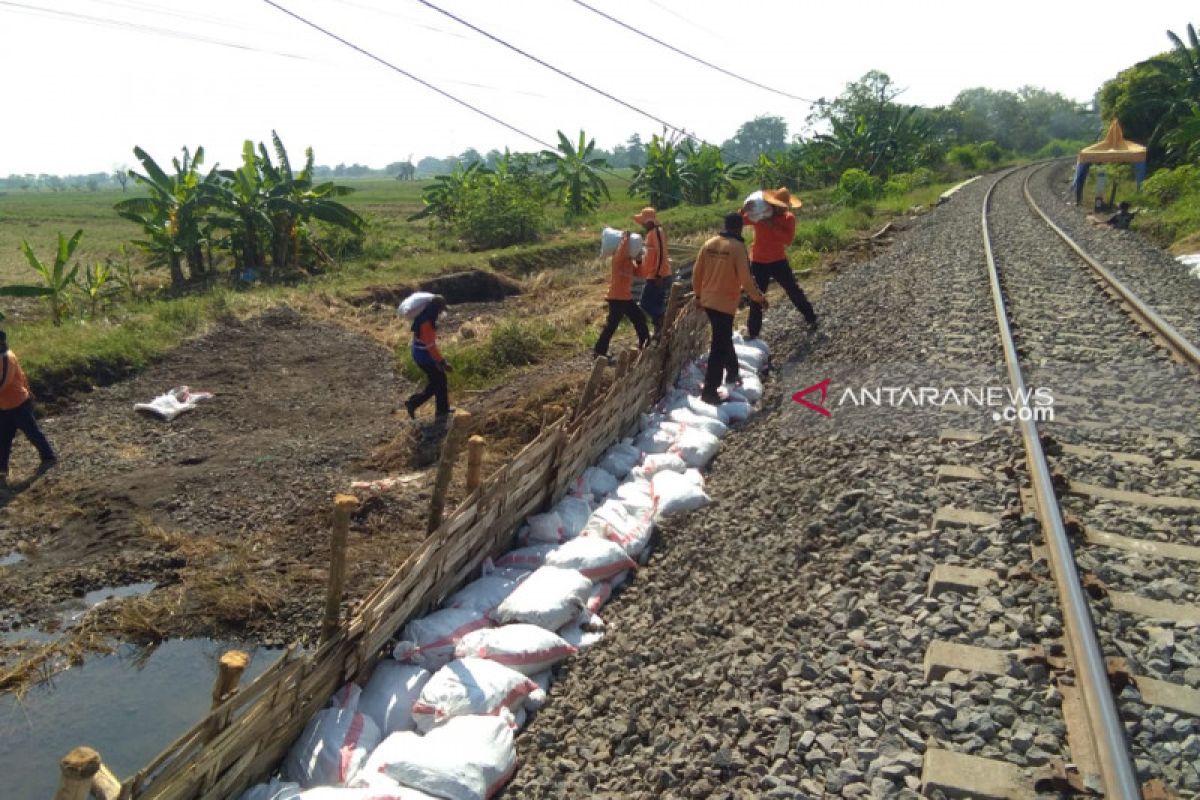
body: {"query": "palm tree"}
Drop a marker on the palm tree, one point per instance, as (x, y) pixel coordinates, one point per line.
(575, 175)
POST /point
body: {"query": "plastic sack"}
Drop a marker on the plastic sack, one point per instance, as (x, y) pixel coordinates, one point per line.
(170, 405)
(595, 557)
(429, 641)
(691, 378)
(703, 409)
(467, 758)
(752, 388)
(693, 420)
(677, 493)
(382, 788)
(595, 482)
(412, 306)
(485, 593)
(332, 747)
(620, 458)
(528, 649)
(610, 240)
(757, 344)
(696, 447)
(574, 512)
(757, 209)
(750, 356)
(658, 439)
(581, 639)
(550, 597)
(544, 528)
(538, 699)
(616, 523)
(529, 558)
(636, 495)
(737, 411)
(389, 695)
(468, 686)
(275, 790)
(655, 463)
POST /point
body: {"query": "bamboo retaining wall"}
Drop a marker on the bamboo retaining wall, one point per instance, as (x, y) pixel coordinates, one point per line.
(243, 739)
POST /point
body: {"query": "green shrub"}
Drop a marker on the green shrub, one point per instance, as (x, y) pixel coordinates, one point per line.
(857, 186)
(900, 183)
(964, 155)
(499, 214)
(1168, 185)
(823, 235)
(990, 151)
(339, 243)
(1057, 148)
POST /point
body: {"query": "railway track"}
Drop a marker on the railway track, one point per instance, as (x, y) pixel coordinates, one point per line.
(1112, 477)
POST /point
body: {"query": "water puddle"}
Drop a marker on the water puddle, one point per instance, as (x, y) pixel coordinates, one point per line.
(128, 706)
(27, 635)
(15, 557)
(75, 609)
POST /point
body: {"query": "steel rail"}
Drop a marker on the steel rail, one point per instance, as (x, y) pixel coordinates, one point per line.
(1144, 314)
(1108, 733)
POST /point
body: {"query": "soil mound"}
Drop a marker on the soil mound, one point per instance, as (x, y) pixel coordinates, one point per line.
(468, 286)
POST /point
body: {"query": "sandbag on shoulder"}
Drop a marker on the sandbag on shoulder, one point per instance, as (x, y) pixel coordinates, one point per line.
(467, 758)
(550, 597)
(429, 641)
(469, 686)
(529, 649)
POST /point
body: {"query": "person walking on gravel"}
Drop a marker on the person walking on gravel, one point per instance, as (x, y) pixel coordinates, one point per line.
(426, 355)
(620, 300)
(768, 257)
(719, 276)
(16, 413)
(656, 267)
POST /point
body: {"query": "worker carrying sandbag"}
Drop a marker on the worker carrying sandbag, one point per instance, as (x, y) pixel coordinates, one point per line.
(720, 275)
(656, 268)
(426, 355)
(768, 253)
(620, 298)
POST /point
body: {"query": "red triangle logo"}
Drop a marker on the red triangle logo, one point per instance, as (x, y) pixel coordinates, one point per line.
(823, 386)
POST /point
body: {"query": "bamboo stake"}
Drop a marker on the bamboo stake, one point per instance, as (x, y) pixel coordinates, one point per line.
(441, 484)
(229, 673)
(77, 769)
(590, 388)
(475, 448)
(343, 506)
(105, 785)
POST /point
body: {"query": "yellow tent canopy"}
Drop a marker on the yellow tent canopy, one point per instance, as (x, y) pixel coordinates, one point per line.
(1113, 149)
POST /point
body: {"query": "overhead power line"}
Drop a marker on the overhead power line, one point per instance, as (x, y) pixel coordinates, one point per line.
(561, 72)
(686, 54)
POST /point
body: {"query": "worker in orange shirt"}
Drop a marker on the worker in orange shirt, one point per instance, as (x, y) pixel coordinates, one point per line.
(719, 277)
(656, 267)
(16, 413)
(427, 356)
(620, 300)
(768, 256)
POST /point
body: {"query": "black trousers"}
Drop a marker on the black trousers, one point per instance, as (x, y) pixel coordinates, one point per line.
(21, 419)
(781, 271)
(722, 358)
(435, 386)
(616, 310)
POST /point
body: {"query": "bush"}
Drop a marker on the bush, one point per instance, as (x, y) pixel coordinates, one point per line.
(340, 243)
(857, 186)
(1057, 148)
(499, 214)
(823, 235)
(964, 155)
(900, 183)
(1168, 185)
(991, 152)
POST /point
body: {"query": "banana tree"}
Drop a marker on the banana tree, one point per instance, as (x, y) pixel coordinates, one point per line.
(660, 178)
(56, 280)
(706, 177)
(575, 175)
(445, 197)
(243, 210)
(97, 283)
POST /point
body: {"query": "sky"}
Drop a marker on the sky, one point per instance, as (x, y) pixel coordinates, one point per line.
(84, 81)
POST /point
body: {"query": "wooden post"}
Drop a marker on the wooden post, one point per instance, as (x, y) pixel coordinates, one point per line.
(459, 424)
(105, 785)
(475, 447)
(77, 769)
(343, 506)
(229, 674)
(590, 388)
(623, 362)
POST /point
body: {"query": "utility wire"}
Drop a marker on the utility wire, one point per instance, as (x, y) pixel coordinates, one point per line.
(561, 72)
(134, 26)
(686, 54)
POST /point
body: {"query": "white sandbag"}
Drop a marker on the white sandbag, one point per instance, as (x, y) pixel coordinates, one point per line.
(737, 411)
(574, 512)
(693, 420)
(595, 482)
(616, 523)
(595, 557)
(610, 240)
(544, 528)
(677, 493)
(620, 458)
(696, 447)
(750, 356)
(698, 406)
(550, 597)
(346, 697)
(757, 344)
(757, 208)
(275, 790)
(529, 558)
(467, 758)
(382, 788)
(389, 696)
(654, 463)
(469, 686)
(752, 388)
(636, 495)
(429, 641)
(490, 570)
(528, 649)
(332, 747)
(580, 638)
(412, 306)
(658, 439)
(485, 593)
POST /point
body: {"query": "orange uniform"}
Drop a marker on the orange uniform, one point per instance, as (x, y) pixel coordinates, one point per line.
(655, 263)
(620, 284)
(14, 390)
(721, 272)
(771, 237)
